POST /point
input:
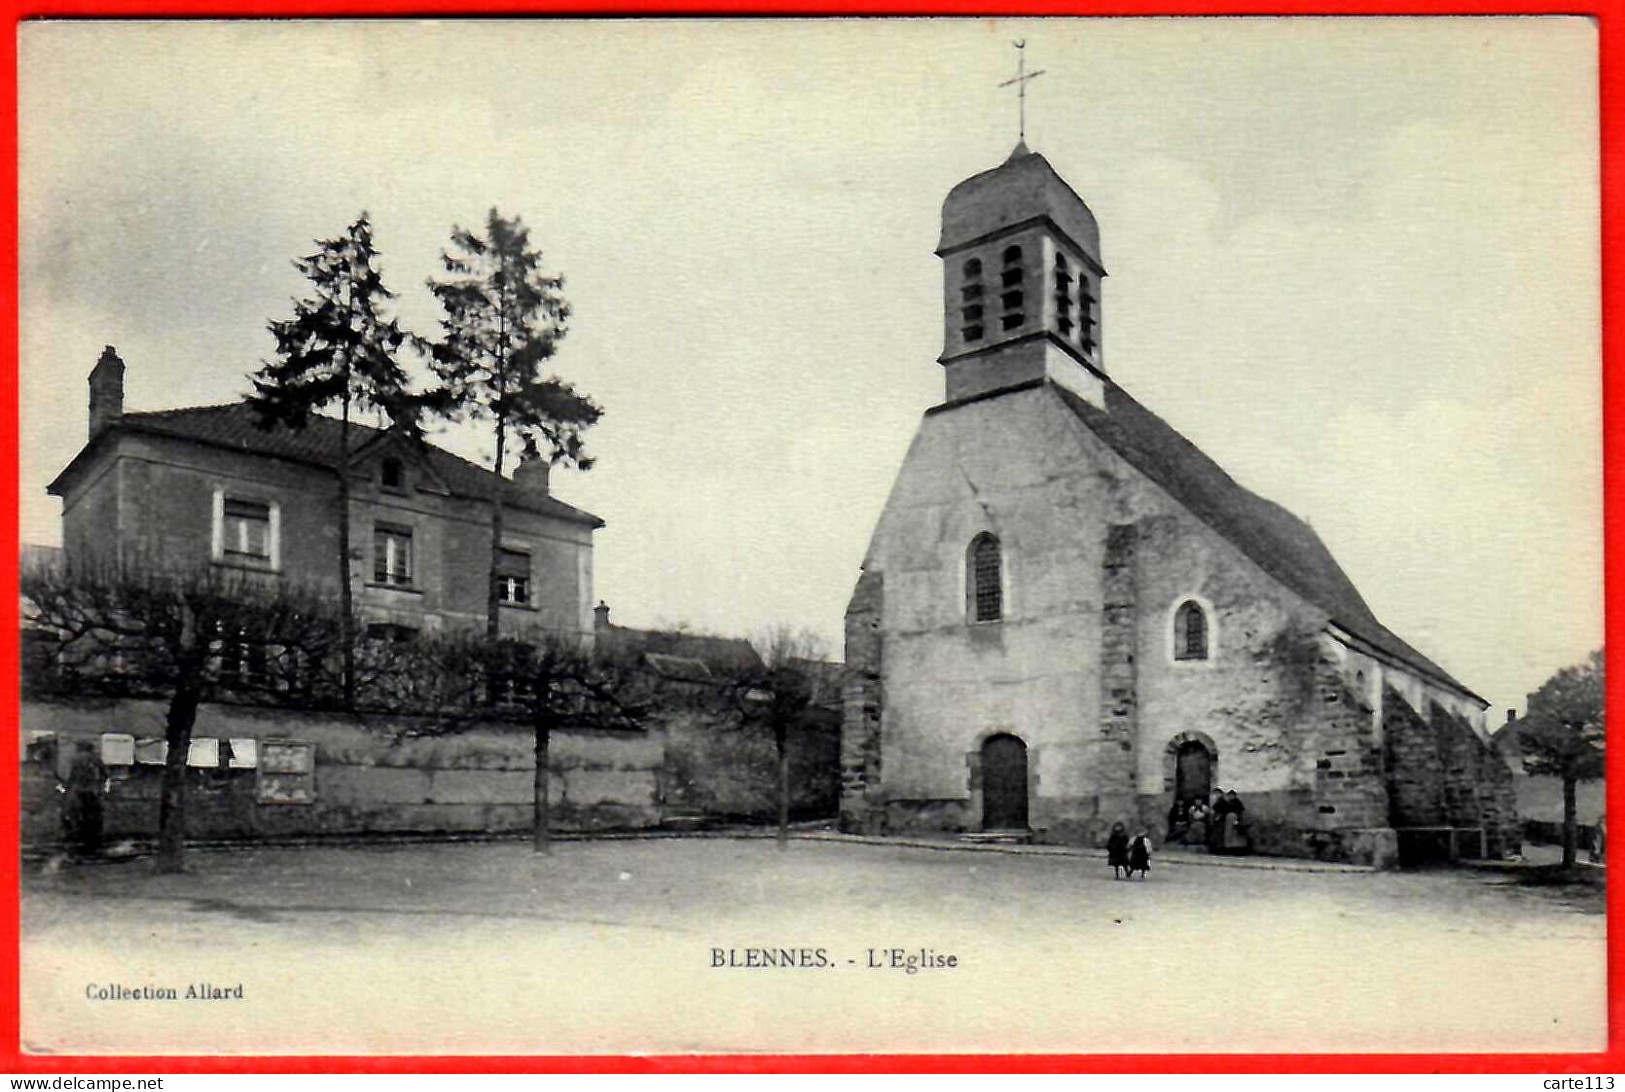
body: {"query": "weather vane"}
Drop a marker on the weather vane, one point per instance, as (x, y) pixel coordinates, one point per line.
(1020, 82)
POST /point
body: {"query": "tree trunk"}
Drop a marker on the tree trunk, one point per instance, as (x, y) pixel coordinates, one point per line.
(1570, 822)
(542, 836)
(172, 798)
(781, 742)
(346, 606)
(493, 604)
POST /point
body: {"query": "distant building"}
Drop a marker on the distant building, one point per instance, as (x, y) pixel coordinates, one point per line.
(1069, 616)
(1540, 796)
(207, 485)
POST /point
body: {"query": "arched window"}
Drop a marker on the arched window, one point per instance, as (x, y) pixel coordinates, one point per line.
(1012, 255)
(973, 269)
(983, 575)
(1190, 632)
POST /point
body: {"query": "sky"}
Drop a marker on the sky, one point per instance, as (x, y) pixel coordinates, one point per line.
(1355, 261)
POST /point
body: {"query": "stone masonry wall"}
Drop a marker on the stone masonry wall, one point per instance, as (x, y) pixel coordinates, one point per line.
(862, 809)
(1112, 755)
(1441, 775)
(365, 780)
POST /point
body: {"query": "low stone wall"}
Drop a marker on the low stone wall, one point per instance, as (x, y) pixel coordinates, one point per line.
(364, 779)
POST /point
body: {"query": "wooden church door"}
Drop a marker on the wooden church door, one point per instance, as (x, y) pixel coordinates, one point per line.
(1193, 775)
(1004, 783)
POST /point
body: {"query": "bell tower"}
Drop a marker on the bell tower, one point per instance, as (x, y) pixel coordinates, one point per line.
(1021, 282)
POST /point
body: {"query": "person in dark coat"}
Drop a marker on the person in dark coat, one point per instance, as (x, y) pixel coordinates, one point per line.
(1179, 818)
(1139, 856)
(82, 810)
(1233, 831)
(1117, 850)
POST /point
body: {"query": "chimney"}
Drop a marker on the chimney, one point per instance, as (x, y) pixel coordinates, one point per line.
(106, 391)
(600, 617)
(530, 476)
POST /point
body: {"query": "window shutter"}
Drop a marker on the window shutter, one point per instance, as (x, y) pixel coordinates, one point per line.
(217, 532)
(513, 563)
(275, 533)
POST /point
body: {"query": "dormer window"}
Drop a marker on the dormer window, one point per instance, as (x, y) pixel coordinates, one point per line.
(392, 476)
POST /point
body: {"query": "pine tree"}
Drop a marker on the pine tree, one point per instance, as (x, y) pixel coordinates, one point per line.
(504, 318)
(338, 349)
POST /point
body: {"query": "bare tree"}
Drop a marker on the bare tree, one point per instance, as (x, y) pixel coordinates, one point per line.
(777, 696)
(181, 635)
(544, 680)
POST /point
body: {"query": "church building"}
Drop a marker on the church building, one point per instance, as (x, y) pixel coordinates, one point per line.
(1068, 616)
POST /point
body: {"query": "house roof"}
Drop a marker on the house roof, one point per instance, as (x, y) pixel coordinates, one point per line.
(235, 426)
(682, 652)
(1278, 542)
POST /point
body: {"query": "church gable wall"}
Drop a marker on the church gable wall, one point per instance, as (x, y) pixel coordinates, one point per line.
(1013, 466)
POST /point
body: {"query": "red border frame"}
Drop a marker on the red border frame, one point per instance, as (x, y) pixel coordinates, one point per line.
(1610, 18)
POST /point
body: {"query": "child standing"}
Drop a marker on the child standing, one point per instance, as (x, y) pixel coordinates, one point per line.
(1117, 850)
(1139, 856)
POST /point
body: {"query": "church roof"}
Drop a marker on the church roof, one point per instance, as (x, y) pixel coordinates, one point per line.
(1020, 189)
(235, 426)
(1278, 542)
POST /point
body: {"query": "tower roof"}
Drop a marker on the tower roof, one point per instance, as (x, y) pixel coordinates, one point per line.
(1021, 189)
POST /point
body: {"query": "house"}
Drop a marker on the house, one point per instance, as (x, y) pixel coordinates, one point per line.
(1069, 616)
(208, 485)
(1540, 796)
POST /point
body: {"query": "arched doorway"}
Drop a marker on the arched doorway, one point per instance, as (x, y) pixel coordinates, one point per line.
(1004, 783)
(1193, 771)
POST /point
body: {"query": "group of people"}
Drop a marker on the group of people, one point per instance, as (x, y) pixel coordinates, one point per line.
(1220, 825)
(1128, 856)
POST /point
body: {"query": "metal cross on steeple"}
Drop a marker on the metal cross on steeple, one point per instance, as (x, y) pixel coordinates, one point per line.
(1020, 82)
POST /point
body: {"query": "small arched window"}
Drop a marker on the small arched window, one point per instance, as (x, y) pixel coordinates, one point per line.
(973, 269)
(984, 575)
(1012, 255)
(1190, 632)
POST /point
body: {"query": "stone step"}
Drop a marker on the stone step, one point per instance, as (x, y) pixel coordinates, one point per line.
(998, 837)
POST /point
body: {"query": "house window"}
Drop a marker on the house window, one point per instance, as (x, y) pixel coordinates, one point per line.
(513, 576)
(392, 555)
(391, 633)
(392, 476)
(973, 269)
(1190, 632)
(240, 659)
(244, 531)
(986, 591)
